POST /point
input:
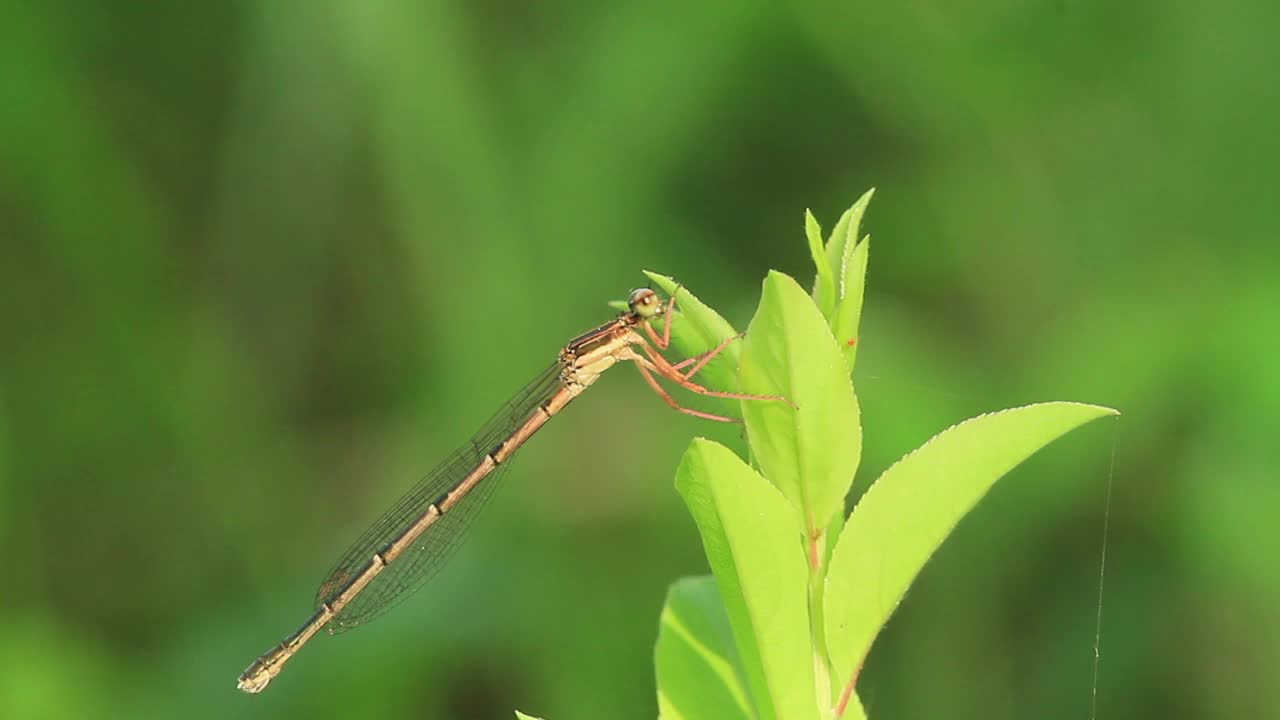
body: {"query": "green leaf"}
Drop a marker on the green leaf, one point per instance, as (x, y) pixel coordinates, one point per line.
(810, 453)
(824, 283)
(832, 535)
(522, 716)
(848, 315)
(752, 539)
(846, 263)
(839, 250)
(845, 234)
(695, 329)
(913, 506)
(699, 672)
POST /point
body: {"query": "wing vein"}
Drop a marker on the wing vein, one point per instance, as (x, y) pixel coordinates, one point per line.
(417, 564)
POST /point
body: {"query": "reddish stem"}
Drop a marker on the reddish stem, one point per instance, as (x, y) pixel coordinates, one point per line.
(847, 693)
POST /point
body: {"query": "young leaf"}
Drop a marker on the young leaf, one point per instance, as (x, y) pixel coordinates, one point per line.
(699, 673)
(810, 453)
(845, 234)
(848, 315)
(913, 506)
(522, 716)
(752, 540)
(824, 284)
(695, 329)
(840, 245)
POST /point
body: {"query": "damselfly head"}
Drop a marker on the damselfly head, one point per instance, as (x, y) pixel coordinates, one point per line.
(644, 302)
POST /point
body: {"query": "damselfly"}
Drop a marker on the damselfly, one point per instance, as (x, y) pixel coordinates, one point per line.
(404, 548)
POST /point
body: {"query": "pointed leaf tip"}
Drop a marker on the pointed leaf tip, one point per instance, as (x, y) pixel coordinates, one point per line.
(825, 282)
(911, 508)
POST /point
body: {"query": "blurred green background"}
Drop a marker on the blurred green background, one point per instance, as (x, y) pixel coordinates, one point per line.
(263, 264)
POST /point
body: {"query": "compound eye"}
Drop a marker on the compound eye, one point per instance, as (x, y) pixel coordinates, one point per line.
(644, 302)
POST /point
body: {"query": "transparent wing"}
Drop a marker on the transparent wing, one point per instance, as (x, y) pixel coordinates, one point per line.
(428, 554)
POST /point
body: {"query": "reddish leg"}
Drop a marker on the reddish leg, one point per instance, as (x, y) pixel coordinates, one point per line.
(688, 361)
(702, 358)
(699, 357)
(665, 341)
(666, 322)
(666, 370)
(705, 357)
(666, 397)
